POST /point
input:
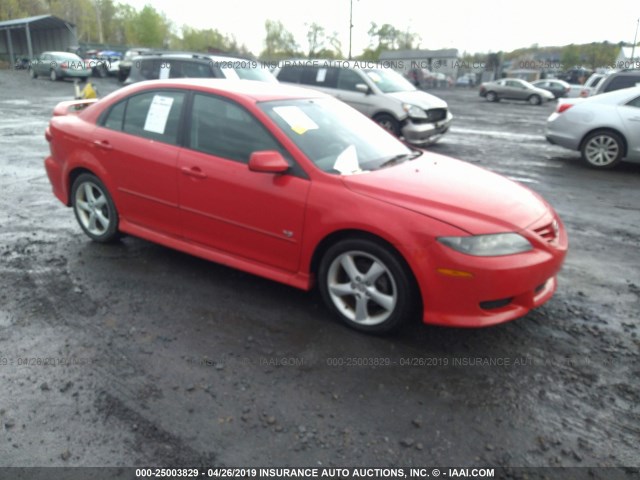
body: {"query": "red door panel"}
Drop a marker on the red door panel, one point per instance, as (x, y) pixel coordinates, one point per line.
(257, 216)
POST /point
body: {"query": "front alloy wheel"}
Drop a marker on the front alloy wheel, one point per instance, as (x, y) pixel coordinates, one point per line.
(367, 285)
(94, 209)
(602, 149)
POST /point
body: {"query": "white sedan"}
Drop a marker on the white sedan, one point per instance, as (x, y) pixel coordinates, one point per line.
(605, 128)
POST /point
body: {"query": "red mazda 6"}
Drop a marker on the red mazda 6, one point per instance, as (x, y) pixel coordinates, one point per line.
(295, 186)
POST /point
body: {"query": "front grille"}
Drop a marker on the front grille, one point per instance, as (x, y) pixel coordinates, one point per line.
(436, 114)
(548, 232)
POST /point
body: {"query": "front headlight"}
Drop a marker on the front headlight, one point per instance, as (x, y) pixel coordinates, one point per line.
(488, 245)
(414, 111)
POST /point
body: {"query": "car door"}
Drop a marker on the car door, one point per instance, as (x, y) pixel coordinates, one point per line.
(515, 90)
(137, 141)
(225, 206)
(349, 84)
(630, 114)
(43, 64)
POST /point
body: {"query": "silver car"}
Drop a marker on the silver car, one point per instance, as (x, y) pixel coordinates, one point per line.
(604, 128)
(514, 89)
(58, 66)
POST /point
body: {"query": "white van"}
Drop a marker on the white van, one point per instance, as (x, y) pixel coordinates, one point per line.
(379, 92)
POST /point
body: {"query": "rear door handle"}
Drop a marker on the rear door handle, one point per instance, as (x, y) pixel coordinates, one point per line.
(194, 172)
(103, 144)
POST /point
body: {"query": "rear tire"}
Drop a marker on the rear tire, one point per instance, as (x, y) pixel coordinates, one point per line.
(367, 285)
(95, 211)
(602, 149)
(492, 97)
(32, 73)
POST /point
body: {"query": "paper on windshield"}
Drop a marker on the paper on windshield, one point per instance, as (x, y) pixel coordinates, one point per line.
(296, 119)
(158, 114)
(347, 161)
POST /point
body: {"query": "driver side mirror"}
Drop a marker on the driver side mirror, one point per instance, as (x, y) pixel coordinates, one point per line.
(364, 88)
(268, 161)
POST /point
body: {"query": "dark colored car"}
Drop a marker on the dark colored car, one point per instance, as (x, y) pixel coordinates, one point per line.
(196, 65)
(124, 68)
(559, 88)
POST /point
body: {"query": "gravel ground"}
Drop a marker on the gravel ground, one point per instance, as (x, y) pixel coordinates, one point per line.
(135, 355)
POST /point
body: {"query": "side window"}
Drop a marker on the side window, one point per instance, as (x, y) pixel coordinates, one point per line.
(620, 82)
(634, 103)
(290, 73)
(320, 76)
(224, 129)
(150, 68)
(348, 79)
(154, 115)
(115, 117)
(196, 70)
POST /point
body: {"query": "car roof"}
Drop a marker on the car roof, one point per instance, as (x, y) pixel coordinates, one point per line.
(256, 90)
(195, 56)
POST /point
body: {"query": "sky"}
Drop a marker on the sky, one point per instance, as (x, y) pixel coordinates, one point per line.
(468, 25)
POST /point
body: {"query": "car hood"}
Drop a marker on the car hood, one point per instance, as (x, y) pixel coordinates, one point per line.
(420, 99)
(455, 192)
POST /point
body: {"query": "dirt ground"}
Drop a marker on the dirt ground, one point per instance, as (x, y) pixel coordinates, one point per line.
(136, 355)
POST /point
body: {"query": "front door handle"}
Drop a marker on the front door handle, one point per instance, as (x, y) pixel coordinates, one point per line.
(104, 144)
(194, 172)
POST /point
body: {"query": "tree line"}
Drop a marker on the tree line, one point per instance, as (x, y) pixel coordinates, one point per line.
(106, 22)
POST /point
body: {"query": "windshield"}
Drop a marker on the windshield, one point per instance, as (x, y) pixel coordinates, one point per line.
(389, 81)
(335, 137)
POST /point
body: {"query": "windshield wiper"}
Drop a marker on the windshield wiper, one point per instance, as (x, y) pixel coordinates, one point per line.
(397, 158)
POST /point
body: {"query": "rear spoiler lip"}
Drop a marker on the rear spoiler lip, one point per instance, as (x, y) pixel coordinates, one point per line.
(72, 106)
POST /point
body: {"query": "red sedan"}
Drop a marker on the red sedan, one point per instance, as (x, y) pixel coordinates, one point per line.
(295, 186)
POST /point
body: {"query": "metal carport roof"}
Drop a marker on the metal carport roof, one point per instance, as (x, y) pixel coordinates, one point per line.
(45, 32)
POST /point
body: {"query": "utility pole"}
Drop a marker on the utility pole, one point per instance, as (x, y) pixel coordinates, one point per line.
(633, 49)
(351, 25)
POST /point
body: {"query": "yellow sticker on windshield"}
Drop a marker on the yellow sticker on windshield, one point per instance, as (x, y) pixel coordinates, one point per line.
(299, 121)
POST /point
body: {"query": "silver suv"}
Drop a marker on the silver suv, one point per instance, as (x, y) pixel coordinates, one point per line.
(379, 92)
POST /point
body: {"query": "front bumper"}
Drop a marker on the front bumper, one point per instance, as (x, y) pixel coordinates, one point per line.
(423, 134)
(499, 289)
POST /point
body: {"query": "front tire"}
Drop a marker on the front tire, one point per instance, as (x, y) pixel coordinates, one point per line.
(32, 73)
(389, 123)
(602, 150)
(535, 100)
(367, 285)
(53, 76)
(94, 209)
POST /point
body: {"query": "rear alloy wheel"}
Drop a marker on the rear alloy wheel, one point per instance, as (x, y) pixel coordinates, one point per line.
(492, 97)
(366, 285)
(535, 100)
(94, 209)
(53, 76)
(602, 149)
(389, 123)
